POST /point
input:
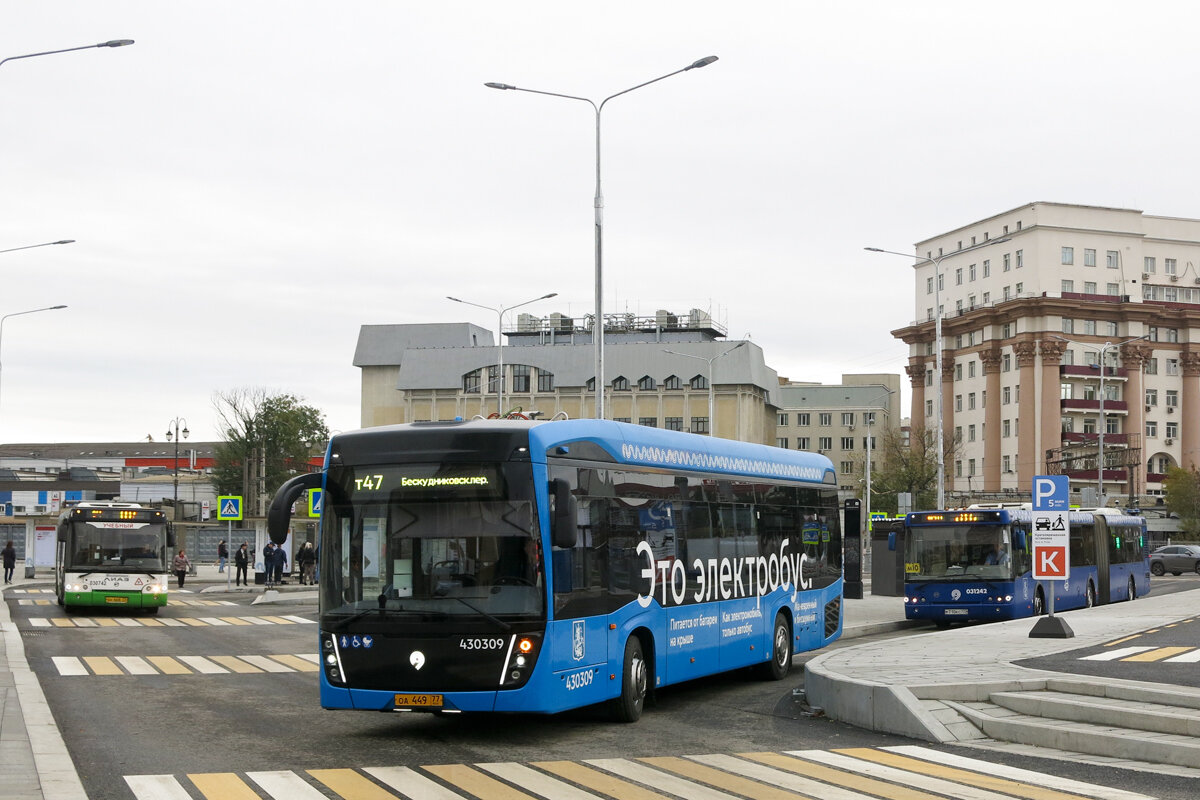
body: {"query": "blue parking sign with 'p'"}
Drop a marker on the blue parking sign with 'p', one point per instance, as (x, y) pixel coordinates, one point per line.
(1051, 492)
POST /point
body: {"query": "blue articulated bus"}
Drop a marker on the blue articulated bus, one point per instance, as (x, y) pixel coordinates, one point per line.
(975, 564)
(510, 566)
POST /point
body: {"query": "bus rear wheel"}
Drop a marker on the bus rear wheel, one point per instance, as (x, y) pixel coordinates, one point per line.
(781, 651)
(1089, 596)
(1131, 591)
(1039, 603)
(627, 707)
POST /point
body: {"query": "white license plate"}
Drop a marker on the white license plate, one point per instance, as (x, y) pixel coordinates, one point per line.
(954, 612)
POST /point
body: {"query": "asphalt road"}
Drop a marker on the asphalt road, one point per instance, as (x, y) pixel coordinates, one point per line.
(181, 725)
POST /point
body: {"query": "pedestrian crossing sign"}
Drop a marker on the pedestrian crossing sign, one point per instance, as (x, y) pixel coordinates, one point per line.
(229, 506)
(314, 502)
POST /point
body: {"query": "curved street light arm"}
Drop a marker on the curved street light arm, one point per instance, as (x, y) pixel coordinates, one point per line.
(109, 43)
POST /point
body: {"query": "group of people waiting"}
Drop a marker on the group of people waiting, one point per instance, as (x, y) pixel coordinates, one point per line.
(275, 561)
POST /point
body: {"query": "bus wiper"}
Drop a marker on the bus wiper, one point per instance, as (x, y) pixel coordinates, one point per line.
(504, 626)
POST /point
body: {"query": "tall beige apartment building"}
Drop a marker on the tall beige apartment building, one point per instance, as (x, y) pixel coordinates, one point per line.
(1049, 292)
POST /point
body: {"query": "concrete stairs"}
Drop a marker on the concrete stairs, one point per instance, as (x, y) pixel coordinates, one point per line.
(1139, 722)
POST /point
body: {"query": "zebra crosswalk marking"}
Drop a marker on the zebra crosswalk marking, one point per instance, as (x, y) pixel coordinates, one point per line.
(237, 621)
(1158, 654)
(203, 665)
(1187, 658)
(285, 784)
(956, 775)
(741, 787)
(537, 782)
(859, 783)
(596, 780)
(806, 787)
(413, 784)
(226, 785)
(235, 664)
(297, 662)
(641, 773)
(476, 783)
(69, 665)
(102, 665)
(909, 771)
(167, 665)
(1017, 774)
(159, 622)
(348, 783)
(136, 665)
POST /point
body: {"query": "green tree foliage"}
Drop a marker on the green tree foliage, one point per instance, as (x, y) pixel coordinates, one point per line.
(1183, 497)
(904, 466)
(268, 438)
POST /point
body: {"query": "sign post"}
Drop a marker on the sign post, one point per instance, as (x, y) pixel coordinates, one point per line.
(229, 507)
(1050, 545)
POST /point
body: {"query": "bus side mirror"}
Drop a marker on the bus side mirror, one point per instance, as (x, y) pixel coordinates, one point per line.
(565, 516)
(892, 540)
(1021, 544)
(279, 515)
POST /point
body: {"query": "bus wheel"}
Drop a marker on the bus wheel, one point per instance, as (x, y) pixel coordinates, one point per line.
(59, 599)
(1131, 592)
(628, 706)
(151, 609)
(1089, 596)
(781, 651)
(1039, 603)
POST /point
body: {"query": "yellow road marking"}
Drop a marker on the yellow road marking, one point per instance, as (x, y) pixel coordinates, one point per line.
(475, 782)
(195, 623)
(63, 623)
(598, 781)
(234, 663)
(236, 621)
(102, 665)
(1119, 641)
(1159, 654)
(223, 785)
(349, 784)
(839, 777)
(105, 622)
(279, 620)
(295, 662)
(743, 787)
(168, 665)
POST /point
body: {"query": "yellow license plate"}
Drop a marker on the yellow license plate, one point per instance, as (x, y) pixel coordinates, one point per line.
(418, 701)
(116, 599)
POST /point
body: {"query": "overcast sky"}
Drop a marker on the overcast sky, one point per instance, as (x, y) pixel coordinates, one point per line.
(252, 181)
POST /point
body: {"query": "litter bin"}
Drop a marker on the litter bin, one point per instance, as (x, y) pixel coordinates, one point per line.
(887, 566)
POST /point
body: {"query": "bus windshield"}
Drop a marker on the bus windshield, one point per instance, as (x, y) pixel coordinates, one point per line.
(945, 552)
(114, 547)
(428, 542)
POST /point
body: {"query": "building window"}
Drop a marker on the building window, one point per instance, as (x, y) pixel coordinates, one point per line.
(673, 423)
(987, 298)
(1172, 398)
(1170, 266)
(673, 382)
(1089, 327)
(545, 381)
(971, 368)
(847, 417)
(958, 372)
(802, 443)
(929, 408)
(1007, 330)
(971, 433)
(471, 382)
(958, 469)
(1172, 366)
(1152, 397)
(1089, 287)
(971, 401)
(1007, 262)
(700, 425)
(520, 378)
(1006, 463)
(847, 442)
(1006, 428)
(1020, 289)
(1171, 429)
(1068, 325)
(1020, 261)
(622, 419)
(825, 443)
(649, 422)
(1148, 265)
(958, 276)
(620, 384)
(802, 419)
(1068, 286)
(782, 421)
(970, 466)
(1112, 289)
(1151, 366)
(781, 442)
(958, 402)
(495, 379)
(929, 285)
(1089, 257)
(647, 384)
(1151, 428)
(1005, 395)
(698, 382)
(1112, 258)
(825, 419)
(1068, 255)
(987, 268)
(971, 272)
(1172, 334)
(847, 467)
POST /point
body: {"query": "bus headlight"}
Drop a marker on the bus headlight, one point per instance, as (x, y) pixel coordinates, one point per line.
(522, 655)
(75, 587)
(332, 659)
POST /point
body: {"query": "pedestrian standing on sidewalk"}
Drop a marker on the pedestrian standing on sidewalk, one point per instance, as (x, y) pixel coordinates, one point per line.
(180, 567)
(269, 564)
(306, 560)
(241, 560)
(281, 560)
(10, 561)
(222, 555)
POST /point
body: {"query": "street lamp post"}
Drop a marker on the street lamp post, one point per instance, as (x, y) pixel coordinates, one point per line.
(712, 420)
(174, 433)
(109, 43)
(43, 244)
(598, 203)
(500, 341)
(937, 344)
(1103, 351)
(21, 313)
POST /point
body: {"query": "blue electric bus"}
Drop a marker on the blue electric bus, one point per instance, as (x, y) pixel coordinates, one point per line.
(975, 564)
(510, 566)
